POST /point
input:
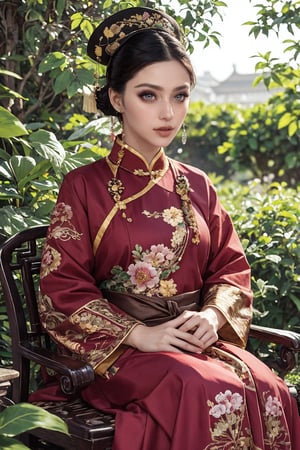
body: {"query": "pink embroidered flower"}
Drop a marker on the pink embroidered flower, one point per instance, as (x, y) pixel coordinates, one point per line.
(143, 275)
(227, 402)
(51, 260)
(62, 213)
(158, 254)
(273, 407)
(217, 410)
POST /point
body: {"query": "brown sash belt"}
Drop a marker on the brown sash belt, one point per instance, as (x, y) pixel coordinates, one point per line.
(153, 310)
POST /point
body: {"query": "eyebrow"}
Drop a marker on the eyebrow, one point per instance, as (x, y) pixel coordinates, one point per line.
(159, 88)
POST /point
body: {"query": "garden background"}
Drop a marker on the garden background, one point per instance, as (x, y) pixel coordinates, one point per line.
(252, 154)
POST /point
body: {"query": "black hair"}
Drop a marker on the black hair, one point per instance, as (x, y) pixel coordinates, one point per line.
(141, 50)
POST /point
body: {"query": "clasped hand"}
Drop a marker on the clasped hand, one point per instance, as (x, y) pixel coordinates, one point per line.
(190, 332)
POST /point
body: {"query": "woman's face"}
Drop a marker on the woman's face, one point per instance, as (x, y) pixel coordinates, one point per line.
(153, 106)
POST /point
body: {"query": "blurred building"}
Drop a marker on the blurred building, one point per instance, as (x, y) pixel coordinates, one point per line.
(237, 88)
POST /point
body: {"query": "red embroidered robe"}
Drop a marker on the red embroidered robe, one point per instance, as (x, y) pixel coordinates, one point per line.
(121, 224)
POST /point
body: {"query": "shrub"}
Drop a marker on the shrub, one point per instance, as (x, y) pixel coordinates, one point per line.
(267, 220)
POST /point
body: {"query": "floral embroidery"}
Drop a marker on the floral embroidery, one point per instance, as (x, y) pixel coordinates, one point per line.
(183, 189)
(50, 318)
(151, 268)
(154, 174)
(51, 260)
(115, 188)
(277, 435)
(92, 332)
(167, 288)
(118, 30)
(233, 364)
(143, 275)
(65, 230)
(229, 410)
(173, 216)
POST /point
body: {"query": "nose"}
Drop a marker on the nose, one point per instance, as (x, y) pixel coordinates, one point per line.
(166, 110)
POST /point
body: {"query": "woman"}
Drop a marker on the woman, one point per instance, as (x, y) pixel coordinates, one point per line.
(143, 274)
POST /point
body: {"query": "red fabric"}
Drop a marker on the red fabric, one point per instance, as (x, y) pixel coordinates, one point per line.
(162, 401)
(71, 273)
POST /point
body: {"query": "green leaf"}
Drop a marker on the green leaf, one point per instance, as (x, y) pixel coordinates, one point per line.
(63, 81)
(10, 74)
(8, 192)
(76, 20)
(60, 6)
(10, 125)
(293, 128)
(22, 417)
(274, 258)
(52, 61)
(21, 166)
(73, 88)
(285, 120)
(5, 171)
(5, 92)
(8, 443)
(87, 28)
(46, 145)
(85, 77)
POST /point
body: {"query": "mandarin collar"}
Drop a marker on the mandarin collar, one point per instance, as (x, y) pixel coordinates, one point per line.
(126, 157)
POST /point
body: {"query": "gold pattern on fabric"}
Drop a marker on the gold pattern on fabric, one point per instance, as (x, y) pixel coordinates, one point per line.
(277, 434)
(233, 364)
(229, 408)
(64, 230)
(51, 260)
(154, 174)
(132, 150)
(50, 318)
(121, 205)
(183, 189)
(115, 189)
(92, 333)
(151, 269)
(232, 303)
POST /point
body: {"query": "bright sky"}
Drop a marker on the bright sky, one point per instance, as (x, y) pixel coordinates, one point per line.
(236, 46)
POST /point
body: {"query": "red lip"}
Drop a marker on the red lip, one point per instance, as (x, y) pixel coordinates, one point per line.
(164, 131)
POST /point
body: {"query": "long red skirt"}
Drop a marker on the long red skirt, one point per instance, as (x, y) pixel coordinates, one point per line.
(223, 399)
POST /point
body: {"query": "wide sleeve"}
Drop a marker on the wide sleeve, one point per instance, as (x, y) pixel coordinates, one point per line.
(71, 306)
(227, 284)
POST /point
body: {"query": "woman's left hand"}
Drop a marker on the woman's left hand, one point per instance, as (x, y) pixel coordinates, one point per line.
(204, 325)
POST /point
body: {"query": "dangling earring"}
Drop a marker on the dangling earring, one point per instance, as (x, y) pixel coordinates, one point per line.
(184, 135)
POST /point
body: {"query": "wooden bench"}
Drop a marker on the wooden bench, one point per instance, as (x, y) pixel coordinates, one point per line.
(89, 428)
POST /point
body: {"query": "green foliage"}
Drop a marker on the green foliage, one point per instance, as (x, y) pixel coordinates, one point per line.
(273, 16)
(23, 417)
(43, 133)
(44, 60)
(267, 220)
(259, 141)
(32, 168)
(266, 139)
(207, 129)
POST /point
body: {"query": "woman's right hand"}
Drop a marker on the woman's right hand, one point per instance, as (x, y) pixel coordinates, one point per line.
(164, 338)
